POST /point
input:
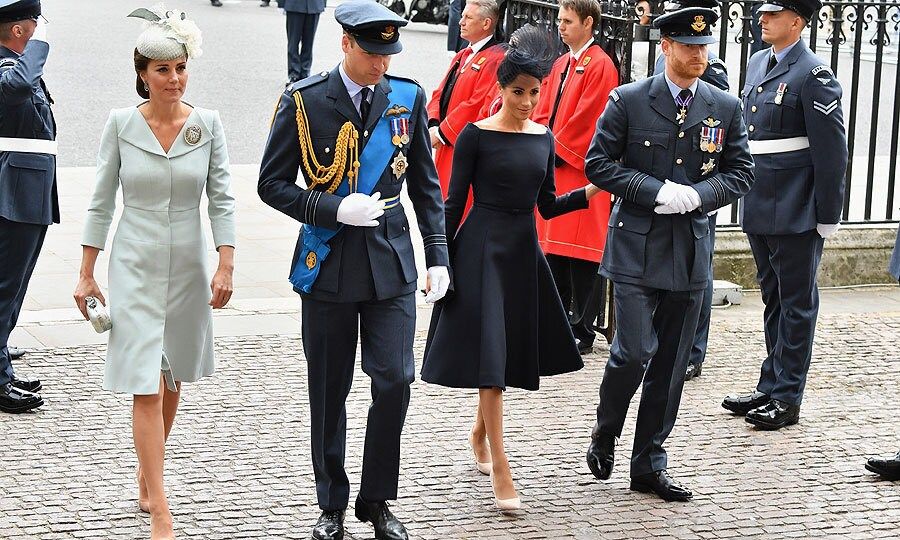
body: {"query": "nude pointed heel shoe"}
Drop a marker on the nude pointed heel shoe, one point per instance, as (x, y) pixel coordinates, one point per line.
(506, 505)
(484, 467)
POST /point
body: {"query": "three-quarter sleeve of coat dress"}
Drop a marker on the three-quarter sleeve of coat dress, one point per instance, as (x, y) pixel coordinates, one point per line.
(103, 203)
(218, 189)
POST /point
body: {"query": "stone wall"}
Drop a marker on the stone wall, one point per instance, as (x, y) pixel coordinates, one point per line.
(856, 255)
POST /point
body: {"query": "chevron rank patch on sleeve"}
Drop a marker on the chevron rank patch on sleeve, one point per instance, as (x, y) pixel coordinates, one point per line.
(825, 108)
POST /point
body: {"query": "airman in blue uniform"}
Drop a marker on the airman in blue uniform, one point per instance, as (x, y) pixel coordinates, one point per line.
(357, 136)
(669, 165)
(792, 107)
(716, 74)
(28, 199)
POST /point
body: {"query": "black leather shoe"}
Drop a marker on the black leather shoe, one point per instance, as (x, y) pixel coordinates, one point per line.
(14, 400)
(584, 346)
(16, 352)
(693, 370)
(330, 526)
(744, 403)
(661, 483)
(217, 3)
(887, 468)
(600, 455)
(774, 415)
(264, 3)
(29, 385)
(387, 527)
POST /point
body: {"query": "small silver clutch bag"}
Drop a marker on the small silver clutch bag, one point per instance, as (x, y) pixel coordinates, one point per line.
(98, 315)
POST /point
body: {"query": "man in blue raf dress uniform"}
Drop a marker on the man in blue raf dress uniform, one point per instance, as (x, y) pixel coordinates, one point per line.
(669, 164)
(28, 200)
(356, 135)
(716, 74)
(792, 106)
(889, 467)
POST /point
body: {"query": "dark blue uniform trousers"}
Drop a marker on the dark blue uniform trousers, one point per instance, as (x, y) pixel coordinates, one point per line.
(454, 41)
(698, 351)
(386, 330)
(787, 266)
(654, 333)
(20, 245)
(301, 32)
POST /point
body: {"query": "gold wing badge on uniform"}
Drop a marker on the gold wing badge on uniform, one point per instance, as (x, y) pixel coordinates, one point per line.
(395, 110)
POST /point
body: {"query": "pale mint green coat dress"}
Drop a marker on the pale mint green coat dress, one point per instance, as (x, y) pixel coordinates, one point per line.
(159, 284)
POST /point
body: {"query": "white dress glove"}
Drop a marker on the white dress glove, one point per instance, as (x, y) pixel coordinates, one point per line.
(361, 210)
(827, 230)
(438, 282)
(677, 199)
(40, 31)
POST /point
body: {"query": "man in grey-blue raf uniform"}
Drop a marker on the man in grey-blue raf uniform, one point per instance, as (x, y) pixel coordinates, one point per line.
(792, 106)
(28, 199)
(357, 135)
(671, 148)
(301, 21)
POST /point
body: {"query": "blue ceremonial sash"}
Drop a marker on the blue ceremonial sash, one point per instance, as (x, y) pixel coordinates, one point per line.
(372, 162)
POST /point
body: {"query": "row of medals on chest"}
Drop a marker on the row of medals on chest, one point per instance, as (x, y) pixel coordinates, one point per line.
(712, 138)
(399, 125)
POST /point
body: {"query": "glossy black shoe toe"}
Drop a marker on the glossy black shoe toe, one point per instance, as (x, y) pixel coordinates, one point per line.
(29, 385)
(600, 455)
(774, 415)
(887, 468)
(216, 3)
(662, 484)
(14, 400)
(330, 526)
(584, 346)
(16, 352)
(693, 370)
(743, 403)
(387, 527)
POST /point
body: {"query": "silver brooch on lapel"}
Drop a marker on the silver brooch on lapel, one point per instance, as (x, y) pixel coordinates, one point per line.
(192, 134)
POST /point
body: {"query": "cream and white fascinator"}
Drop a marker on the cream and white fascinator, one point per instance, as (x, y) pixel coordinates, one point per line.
(168, 34)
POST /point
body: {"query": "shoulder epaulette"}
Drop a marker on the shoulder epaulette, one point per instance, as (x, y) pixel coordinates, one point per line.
(309, 81)
(397, 77)
(8, 63)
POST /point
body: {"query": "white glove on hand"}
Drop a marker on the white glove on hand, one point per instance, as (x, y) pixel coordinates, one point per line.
(40, 31)
(677, 199)
(438, 283)
(361, 210)
(667, 193)
(827, 230)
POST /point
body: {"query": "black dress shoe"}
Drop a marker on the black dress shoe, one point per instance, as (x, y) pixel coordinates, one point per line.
(264, 3)
(29, 385)
(217, 3)
(693, 370)
(887, 468)
(744, 403)
(14, 400)
(660, 483)
(774, 415)
(387, 527)
(330, 526)
(16, 352)
(584, 346)
(600, 455)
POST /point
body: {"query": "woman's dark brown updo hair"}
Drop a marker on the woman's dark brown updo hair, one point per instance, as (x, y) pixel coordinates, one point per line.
(141, 63)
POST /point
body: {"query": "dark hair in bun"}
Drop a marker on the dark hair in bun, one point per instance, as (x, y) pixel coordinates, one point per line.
(531, 51)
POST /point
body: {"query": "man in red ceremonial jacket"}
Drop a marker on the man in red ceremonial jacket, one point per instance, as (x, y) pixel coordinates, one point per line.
(572, 98)
(469, 86)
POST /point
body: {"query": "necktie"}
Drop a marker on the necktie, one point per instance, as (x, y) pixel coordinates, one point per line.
(364, 104)
(562, 84)
(772, 63)
(464, 57)
(684, 99)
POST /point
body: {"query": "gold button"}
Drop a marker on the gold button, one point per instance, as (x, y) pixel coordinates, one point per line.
(366, 133)
(646, 143)
(753, 108)
(327, 149)
(751, 128)
(680, 135)
(678, 161)
(758, 89)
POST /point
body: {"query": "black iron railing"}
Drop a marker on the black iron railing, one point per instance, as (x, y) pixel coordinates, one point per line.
(858, 39)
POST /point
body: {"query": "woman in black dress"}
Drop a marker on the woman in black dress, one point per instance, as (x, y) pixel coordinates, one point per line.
(504, 325)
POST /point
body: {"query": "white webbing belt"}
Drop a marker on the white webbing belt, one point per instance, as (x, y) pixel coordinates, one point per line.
(33, 146)
(778, 146)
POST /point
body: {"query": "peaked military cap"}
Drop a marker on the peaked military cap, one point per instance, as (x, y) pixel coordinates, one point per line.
(690, 25)
(375, 27)
(675, 5)
(19, 10)
(804, 8)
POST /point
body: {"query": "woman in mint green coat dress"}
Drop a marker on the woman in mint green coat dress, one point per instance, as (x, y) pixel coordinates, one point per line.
(164, 154)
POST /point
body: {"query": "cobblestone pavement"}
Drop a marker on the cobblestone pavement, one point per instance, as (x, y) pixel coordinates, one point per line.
(238, 463)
